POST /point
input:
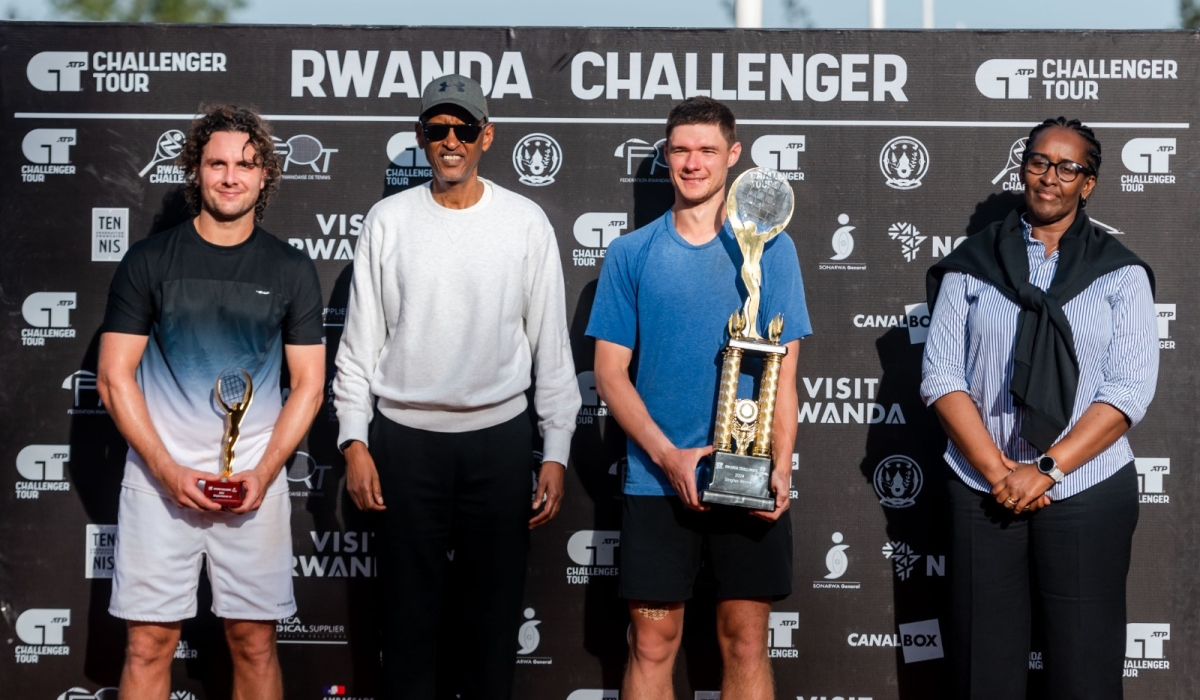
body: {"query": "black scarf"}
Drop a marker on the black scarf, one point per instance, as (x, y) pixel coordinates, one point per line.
(1046, 370)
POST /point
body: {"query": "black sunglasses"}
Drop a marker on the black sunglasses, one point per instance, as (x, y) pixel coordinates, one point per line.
(466, 133)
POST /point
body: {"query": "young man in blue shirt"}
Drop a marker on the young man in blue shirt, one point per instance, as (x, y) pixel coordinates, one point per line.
(665, 294)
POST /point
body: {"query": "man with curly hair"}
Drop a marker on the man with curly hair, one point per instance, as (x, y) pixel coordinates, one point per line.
(214, 293)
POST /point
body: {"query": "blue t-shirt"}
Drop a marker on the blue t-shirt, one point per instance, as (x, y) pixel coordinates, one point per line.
(669, 301)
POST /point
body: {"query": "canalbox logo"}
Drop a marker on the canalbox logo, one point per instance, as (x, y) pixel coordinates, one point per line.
(1064, 78)
(114, 71)
(921, 641)
(595, 554)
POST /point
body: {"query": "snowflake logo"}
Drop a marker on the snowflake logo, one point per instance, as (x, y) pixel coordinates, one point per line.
(910, 239)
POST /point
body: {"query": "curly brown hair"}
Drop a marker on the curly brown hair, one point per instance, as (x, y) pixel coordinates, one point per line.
(224, 117)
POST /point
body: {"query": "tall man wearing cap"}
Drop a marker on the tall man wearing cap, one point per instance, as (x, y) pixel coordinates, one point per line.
(457, 297)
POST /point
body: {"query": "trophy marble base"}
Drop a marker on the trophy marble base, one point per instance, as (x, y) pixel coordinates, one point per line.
(226, 493)
(740, 480)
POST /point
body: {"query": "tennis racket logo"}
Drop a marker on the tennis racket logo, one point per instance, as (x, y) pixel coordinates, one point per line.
(167, 148)
(304, 149)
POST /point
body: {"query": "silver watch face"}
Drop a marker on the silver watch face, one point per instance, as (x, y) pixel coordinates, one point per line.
(1046, 464)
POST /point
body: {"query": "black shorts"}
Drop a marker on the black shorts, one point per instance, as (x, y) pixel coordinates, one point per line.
(663, 544)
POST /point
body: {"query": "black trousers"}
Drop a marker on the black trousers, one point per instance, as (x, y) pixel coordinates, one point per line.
(1072, 558)
(469, 492)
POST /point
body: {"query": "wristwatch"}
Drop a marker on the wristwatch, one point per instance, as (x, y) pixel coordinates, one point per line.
(343, 445)
(1049, 466)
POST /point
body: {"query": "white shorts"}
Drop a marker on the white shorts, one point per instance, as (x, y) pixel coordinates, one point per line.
(160, 548)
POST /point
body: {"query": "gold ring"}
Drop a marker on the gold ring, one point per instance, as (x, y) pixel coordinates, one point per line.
(1010, 501)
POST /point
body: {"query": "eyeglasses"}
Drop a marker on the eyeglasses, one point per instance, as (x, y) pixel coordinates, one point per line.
(1067, 170)
(466, 133)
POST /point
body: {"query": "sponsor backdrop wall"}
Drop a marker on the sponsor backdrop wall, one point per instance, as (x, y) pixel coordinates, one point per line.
(898, 144)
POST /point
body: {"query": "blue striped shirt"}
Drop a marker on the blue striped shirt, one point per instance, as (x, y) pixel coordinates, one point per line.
(970, 348)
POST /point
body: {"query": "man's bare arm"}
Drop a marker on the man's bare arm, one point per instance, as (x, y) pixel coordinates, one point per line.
(626, 405)
(116, 380)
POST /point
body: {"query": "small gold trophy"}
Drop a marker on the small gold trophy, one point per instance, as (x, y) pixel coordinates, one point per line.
(233, 391)
(759, 206)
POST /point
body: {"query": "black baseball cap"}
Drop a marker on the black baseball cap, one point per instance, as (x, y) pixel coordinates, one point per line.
(458, 90)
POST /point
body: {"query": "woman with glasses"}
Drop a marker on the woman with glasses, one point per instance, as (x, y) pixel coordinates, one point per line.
(1042, 353)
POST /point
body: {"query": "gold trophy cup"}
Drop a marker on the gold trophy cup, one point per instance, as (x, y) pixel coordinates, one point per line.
(233, 392)
(759, 206)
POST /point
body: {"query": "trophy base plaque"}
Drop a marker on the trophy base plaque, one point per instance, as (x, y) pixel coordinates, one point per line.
(227, 493)
(740, 480)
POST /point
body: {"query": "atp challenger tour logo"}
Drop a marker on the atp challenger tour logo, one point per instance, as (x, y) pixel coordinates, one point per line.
(780, 627)
(49, 151)
(594, 553)
(114, 71)
(48, 315)
(1150, 473)
(593, 406)
(781, 153)
(1150, 161)
(1166, 314)
(41, 631)
(409, 165)
(1144, 647)
(42, 468)
(1064, 78)
(595, 230)
(820, 77)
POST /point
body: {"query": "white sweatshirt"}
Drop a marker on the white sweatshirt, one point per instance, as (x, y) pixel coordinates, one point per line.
(449, 311)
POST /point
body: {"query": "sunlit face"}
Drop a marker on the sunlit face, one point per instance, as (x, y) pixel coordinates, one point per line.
(1047, 197)
(229, 179)
(699, 158)
(452, 160)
